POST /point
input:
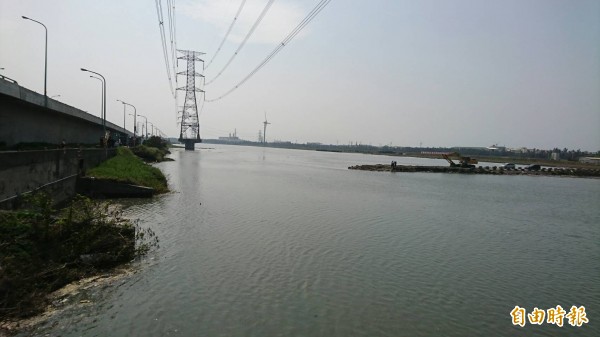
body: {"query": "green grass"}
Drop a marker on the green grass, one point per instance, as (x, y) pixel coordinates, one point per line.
(149, 154)
(128, 168)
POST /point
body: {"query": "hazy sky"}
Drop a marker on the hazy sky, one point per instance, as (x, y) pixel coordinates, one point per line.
(438, 72)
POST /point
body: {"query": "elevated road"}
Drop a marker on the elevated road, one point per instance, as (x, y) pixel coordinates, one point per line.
(24, 118)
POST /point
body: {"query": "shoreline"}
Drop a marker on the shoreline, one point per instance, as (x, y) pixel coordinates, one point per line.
(558, 172)
(67, 297)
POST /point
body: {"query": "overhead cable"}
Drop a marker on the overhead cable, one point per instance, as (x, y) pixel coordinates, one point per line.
(164, 43)
(173, 37)
(227, 34)
(280, 46)
(256, 23)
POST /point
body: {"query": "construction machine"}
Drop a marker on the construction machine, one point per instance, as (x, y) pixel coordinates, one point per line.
(466, 162)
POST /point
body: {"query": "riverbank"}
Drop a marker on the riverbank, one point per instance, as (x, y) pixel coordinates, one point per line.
(72, 297)
(578, 172)
(128, 168)
(519, 161)
(43, 249)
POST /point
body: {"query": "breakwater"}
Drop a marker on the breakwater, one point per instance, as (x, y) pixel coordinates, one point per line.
(579, 172)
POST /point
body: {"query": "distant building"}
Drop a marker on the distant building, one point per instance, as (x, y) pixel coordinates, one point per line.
(555, 156)
(520, 150)
(590, 160)
(495, 147)
(231, 138)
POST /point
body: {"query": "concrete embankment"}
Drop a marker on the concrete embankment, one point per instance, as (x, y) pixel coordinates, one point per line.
(51, 171)
(581, 172)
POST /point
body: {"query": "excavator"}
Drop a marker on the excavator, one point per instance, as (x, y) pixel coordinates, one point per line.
(466, 162)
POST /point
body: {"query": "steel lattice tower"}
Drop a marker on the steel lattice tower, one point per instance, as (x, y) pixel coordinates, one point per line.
(190, 124)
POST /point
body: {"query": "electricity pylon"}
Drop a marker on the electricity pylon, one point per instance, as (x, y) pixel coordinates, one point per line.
(190, 124)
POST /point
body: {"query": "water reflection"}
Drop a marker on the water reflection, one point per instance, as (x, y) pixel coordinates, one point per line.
(262, 242)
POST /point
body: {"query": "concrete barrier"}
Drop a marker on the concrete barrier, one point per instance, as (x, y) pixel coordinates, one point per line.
(53, 171)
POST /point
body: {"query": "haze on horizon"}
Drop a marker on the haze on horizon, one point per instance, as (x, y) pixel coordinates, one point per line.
(437, 73)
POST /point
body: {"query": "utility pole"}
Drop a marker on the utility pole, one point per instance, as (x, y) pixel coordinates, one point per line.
(189, 133)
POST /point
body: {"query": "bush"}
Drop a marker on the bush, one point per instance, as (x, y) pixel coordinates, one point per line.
(156, 142)
(149, 154)
(42, 249)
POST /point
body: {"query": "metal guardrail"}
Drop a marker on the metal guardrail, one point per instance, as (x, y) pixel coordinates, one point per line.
(9, 79)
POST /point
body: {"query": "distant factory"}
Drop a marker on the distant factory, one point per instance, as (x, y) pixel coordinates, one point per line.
(231, 138)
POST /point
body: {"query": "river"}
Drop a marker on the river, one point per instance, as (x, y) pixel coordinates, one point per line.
(275, 242)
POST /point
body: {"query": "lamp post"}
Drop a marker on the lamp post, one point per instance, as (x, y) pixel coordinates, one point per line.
(124, 112)
(45, 59)
(152, 128)
(102, 97)
(134, 118)
(134, 127)
(103, 101)
(146, 119)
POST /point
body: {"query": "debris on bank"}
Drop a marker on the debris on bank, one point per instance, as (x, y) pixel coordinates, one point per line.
(494, 170)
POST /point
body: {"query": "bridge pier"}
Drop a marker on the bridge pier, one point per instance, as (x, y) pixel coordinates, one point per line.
(189, 143)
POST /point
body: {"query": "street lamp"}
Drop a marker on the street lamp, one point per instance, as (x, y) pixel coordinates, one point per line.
(45, 58)
(134, 119)
(146, 136)
(102, 97)
(152, 127)
(103, 100)
(134, 127)
(124, 112)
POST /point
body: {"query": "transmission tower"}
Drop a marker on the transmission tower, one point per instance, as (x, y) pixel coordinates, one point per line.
(190, 124)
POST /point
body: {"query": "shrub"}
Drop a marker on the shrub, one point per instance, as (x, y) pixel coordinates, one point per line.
(42, 249)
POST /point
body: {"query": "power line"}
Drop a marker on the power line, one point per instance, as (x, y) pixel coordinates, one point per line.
(173, 37)
(227, 34)
(280, 46)
(164, 43)
(256, 23)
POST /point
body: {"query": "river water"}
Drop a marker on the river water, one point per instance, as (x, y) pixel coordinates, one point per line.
(274, 242)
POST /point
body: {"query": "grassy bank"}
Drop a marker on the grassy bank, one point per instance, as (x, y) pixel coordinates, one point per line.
(128, 168)
(43, 249)
(150, 154)
(154, 149)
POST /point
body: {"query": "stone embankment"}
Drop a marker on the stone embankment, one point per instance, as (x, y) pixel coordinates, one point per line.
(580, 172)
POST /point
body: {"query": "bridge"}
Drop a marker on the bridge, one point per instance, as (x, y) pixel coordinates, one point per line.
(25, 118)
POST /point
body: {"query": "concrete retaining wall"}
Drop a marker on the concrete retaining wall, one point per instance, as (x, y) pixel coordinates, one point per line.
(54, 171)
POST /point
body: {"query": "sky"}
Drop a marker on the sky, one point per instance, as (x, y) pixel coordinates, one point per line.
(518, 73)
